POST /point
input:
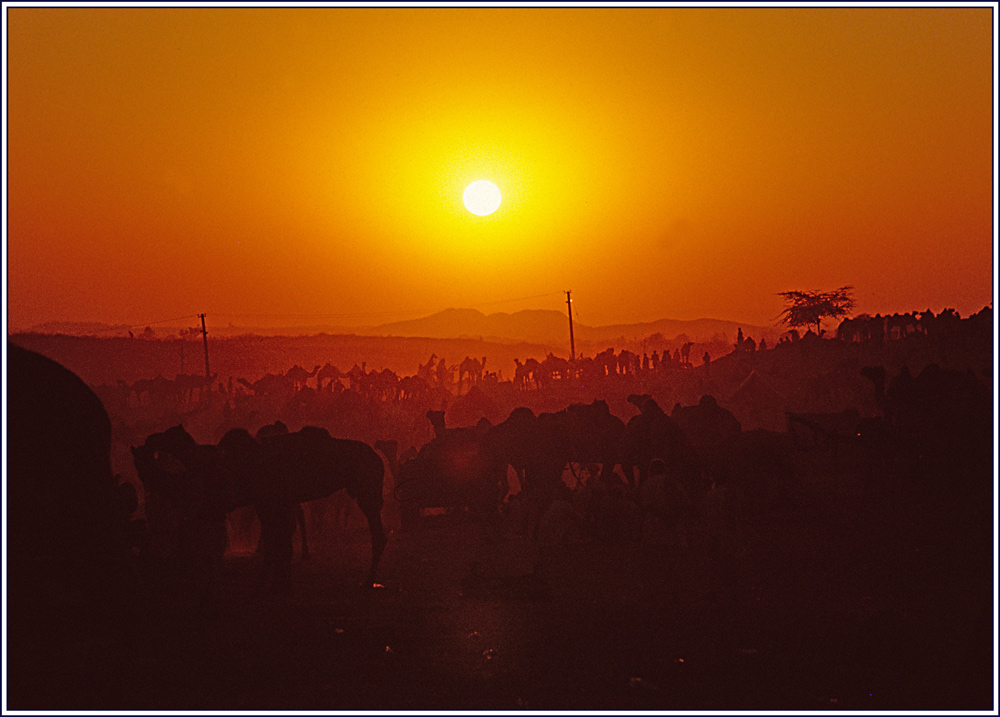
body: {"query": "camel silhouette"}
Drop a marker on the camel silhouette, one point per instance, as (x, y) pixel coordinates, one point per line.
(64, 512)
(69, 574)
(706, 424)
(273, 474)
(473, 368)
(452, 470)
(187, 384)
(272, 384)
(426, 371)
(652, 434)
(529, 371)
(413, 388)
(278, 429)
(329, 371)
(299, 375)
(309, 464)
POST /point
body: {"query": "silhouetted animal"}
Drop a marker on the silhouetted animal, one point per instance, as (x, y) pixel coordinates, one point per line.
(556, 368)
(188, 494)
(271, 385)
(273, 474)
(279, 429)
(648, 435)
(592, 432)
(437, 423)
(329, 371)
(426, 371)
(876, 374)
(528, 372)
(311, 464)
(187, 384)
(453, 470)
(413, 388)
(66, 522)
(706, 424)
(540, 447)
(472, 368)
(299, 375)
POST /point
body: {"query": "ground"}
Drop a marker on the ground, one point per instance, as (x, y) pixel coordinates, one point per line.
(835, 604)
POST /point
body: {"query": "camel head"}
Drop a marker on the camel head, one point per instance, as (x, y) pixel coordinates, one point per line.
(437, 420)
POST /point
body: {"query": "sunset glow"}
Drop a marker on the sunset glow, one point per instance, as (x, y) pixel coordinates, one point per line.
(677, 163)
(500, 357)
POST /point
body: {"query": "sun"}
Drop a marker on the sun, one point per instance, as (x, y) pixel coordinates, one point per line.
(482, 197)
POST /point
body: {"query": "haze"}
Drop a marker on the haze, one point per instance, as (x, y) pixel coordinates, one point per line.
(281, 165)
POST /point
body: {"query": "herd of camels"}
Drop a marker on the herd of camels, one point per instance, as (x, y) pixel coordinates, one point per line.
(64, 500)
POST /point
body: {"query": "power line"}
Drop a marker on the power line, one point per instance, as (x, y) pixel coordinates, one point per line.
(143, 323)
(523, 298)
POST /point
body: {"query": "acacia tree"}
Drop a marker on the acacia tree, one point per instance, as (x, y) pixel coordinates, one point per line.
(806, 308)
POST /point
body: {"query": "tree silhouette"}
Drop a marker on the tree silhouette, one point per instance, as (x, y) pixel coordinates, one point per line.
(806, 308)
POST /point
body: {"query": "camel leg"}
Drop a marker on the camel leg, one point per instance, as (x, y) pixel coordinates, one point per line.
(378, 537)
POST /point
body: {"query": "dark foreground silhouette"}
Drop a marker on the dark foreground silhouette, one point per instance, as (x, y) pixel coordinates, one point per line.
(274, 473)
(70, 573)
(558, 558)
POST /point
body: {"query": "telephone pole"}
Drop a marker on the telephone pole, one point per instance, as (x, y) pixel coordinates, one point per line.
(569, 310)
(204, 338)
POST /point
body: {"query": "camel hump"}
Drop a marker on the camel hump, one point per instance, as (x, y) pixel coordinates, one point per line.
(237, 439)
(36, 383)
(314, 432)
(650, 407)
(58, 458)
(274, 429)
(178, 435)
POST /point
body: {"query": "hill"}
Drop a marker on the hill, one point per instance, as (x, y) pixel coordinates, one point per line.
(551, 328)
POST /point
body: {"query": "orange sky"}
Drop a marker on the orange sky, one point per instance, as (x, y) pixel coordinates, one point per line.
(661, 163)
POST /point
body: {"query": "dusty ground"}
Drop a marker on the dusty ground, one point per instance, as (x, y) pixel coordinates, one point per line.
(837, 604)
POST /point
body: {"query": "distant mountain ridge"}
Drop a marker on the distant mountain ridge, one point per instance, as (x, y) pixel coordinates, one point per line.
(79, 328)
(546, 326)
(537, 326)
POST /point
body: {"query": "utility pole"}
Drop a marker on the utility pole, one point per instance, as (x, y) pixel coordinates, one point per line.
(569, 310)
(204, 338)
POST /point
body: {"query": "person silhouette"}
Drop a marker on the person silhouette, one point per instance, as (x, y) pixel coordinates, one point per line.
(443, 374)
